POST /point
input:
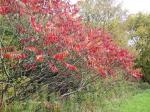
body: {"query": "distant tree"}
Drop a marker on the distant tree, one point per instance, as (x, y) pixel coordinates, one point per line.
(139, 31)
(101, 12)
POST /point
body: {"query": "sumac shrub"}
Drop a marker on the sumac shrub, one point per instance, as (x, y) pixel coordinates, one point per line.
(56, 50)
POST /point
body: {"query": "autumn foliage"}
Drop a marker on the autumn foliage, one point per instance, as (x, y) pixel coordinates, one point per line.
(50, 32)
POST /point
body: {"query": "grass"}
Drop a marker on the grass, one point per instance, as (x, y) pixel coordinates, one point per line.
(100, 97)
(137, 103)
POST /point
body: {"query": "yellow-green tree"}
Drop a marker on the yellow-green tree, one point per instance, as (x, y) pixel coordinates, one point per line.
(139, 31)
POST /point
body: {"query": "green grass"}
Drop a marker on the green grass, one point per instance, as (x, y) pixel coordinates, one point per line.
(137, 103)
(100, 97)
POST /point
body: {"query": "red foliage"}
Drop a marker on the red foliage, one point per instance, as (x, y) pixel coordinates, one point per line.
(56, 27)
(14, 55)
(70, 67)
(4, 10)
(53, 68)
(31, 48)
(60, 56)
(7, 56)
(101, 71)
(39, 58)
(20, 56)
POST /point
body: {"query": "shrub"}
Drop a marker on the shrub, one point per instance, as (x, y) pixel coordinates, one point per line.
(55, 51)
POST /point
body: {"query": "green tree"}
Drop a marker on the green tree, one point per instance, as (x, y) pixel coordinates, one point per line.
(139, 31)
(101, 12)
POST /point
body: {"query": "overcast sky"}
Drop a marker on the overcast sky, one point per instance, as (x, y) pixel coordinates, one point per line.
(134, 6)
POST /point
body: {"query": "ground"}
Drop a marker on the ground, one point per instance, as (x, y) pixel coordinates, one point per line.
(137, 103)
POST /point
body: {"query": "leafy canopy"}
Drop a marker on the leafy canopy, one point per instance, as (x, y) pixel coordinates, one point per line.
(54, 34)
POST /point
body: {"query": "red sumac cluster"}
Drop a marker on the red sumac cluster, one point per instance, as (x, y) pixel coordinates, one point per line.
(51, 32)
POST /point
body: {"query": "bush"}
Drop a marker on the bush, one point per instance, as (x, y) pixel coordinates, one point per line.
(54, 51)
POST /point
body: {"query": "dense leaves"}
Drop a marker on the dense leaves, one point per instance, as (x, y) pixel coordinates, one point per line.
(138, 27)
(51, 36)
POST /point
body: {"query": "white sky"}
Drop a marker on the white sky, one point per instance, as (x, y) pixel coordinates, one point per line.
(134, 6)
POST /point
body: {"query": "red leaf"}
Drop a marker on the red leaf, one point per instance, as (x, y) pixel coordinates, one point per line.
(20, 56)
(39, 58)
(32, 20)
(70, 67)
(136, 73)
(7, 56)
(53, 68)
(61, 56)
(31, 48)
(32, 39)
(77, 48)
(101, 72)
(24, 1)
(4, 10)
(36, 27)
(51, 38)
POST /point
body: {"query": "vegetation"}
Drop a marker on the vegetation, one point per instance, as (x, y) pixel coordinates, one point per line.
(54, 60)
(107, 15)
(98, 98)
(140, 103)
(138, 28)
